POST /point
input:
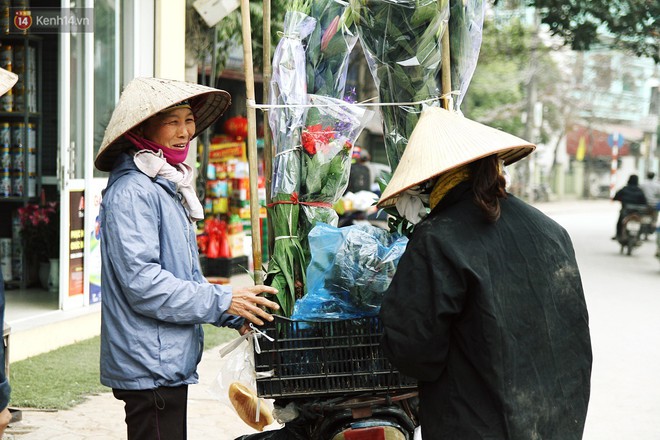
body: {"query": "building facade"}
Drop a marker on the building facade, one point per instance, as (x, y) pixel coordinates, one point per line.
(80, 77)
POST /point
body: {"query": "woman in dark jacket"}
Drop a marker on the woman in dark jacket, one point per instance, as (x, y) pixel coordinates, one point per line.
(486, 308)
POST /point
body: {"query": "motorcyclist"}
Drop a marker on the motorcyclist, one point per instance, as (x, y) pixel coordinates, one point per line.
(631, 194)
(651, 189)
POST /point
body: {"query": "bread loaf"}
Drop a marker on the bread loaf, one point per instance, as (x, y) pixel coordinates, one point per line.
(245, 403)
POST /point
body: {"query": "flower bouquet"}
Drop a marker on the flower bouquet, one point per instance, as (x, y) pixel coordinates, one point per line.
(328, 49)
(331, 128)
(40, 230)
(289, 87)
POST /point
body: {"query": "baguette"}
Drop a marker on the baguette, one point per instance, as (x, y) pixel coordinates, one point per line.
(245, 402)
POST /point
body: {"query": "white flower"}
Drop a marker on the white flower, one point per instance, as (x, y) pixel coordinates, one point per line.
(412, 205)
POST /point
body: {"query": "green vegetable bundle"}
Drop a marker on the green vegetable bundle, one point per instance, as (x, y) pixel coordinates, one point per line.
(401, 40)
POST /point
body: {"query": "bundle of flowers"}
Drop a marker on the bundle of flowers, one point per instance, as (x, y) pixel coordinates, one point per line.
(328, 139)
(286, 271)
(313, 145)
(402, 43)
(328, 49)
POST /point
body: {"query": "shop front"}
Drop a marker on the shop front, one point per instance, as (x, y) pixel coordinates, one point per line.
(72, 79)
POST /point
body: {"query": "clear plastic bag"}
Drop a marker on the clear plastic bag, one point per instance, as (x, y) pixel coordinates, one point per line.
(236, 384)
(350, 270)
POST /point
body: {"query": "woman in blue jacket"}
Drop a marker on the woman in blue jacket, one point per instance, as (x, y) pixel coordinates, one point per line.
(154, 296)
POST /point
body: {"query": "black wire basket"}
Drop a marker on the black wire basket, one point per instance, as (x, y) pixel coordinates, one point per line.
(303, 358)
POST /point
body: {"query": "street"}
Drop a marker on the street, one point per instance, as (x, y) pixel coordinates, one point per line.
(623, 298)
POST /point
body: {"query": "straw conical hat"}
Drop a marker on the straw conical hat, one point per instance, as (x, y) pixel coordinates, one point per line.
(144, 97)
(443, 140)
(7, 80)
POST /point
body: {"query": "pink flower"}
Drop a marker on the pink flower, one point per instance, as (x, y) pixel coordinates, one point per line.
(330, 32)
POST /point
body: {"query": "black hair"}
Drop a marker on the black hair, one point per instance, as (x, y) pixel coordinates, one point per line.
(489, 186)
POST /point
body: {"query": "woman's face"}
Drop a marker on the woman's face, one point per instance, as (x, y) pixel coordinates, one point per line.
(172, 129)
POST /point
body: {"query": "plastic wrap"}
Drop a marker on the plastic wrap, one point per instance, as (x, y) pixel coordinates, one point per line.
(328, 137)
(466, 22)
(350, 270)
(402, 43)
(288, 86)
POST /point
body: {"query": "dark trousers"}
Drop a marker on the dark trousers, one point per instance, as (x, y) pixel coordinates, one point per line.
(158, 414)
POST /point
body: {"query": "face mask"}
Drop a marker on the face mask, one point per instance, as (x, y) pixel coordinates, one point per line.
(173, 157)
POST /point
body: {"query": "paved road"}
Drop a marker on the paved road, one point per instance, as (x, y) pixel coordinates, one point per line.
(623, 296)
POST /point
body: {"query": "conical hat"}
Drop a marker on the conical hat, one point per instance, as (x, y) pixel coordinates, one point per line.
(443, 140)
(7, 80)
(143, 98)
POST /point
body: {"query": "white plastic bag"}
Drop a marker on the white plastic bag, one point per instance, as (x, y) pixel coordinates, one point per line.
(237, 378)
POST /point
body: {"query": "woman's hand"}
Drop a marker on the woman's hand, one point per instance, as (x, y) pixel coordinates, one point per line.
(246, 303)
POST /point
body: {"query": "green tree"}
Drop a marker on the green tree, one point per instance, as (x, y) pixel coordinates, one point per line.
(631, 24)
(498, 92)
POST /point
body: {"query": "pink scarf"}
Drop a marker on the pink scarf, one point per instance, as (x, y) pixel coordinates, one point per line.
(173, 157)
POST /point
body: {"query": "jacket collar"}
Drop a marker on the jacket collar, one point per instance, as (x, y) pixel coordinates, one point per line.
(125, 165)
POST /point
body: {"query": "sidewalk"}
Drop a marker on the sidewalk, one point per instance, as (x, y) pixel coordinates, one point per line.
(101, 417)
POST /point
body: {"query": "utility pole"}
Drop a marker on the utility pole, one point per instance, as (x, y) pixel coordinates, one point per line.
(532, 92)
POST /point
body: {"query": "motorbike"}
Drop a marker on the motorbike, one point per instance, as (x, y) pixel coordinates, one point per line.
(636, 225)
(331, 381)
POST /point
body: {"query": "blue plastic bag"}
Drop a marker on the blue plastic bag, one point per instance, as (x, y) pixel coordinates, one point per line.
(350, 270)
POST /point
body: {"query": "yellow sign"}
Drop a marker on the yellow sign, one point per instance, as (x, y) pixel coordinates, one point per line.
(226, 151)
(581, 149)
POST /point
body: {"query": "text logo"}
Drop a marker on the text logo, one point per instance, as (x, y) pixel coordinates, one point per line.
(23, 20)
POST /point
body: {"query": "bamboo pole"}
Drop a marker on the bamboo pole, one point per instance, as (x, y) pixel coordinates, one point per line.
(268, 144)
(252, 142)
(446, 71)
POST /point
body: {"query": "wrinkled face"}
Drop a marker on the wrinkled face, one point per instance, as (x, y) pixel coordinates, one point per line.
(172, 129)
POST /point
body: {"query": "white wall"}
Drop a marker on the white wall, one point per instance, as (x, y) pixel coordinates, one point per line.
(170, 42)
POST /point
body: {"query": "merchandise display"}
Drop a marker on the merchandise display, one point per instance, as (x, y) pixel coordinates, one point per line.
(224, 241)
(20, 147)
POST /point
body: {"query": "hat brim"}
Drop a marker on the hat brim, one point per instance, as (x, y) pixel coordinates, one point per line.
(144, 98)
(442, 141)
